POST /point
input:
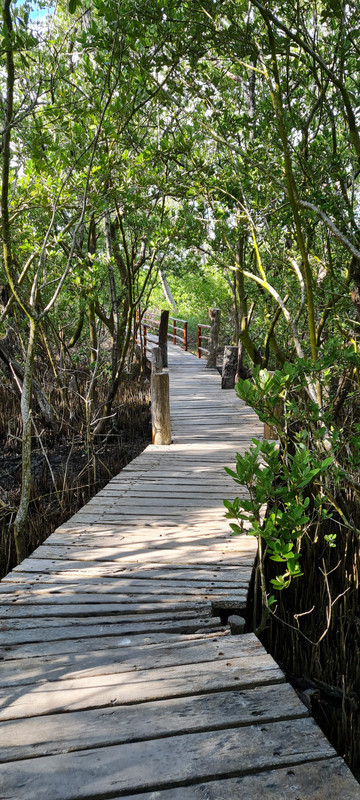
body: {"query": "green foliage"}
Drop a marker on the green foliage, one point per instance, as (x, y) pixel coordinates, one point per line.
(282, 492)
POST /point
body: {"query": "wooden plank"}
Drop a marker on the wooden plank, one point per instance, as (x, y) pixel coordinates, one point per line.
(186, 558)
(139, 686)
(99, 609)
(11, 635)
(154, 538)
(123, 658)
(92, 643)
(113, 601)
(59, 733)
(168, 491)
(24, 622)
(145, 766)
(174, 571)
(164, 552)
(318, 780)
(64, 586)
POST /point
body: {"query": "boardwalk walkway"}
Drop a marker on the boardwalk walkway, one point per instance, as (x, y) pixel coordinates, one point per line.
(116, 681)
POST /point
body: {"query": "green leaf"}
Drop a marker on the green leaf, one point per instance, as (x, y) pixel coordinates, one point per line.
(73, 4)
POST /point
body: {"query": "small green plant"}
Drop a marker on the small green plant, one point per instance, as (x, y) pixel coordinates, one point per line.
(279, 505)
(286, 480)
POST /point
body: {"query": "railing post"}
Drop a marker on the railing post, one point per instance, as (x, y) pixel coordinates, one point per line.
(214, 315)
(163, 334)
(185, 336)
(160, 408)
(199, 341)
(174, 331)
(156, 360)
(144, 339)
(229, 367)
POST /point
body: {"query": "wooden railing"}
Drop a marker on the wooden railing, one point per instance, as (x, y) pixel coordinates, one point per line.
(148, 324)
(200, 338)
(177, 325)
(155, 325)
(162, 327)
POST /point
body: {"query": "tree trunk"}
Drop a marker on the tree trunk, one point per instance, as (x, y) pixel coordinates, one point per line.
(114, 302)
(12, 367)
(26, 394)
(167, 291)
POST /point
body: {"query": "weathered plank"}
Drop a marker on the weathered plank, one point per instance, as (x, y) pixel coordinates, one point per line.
(225, 572)
(63, 587)
(145, 766)
(26, 738)
(92, 643)
(126, 656)
(317, 780)
(99, 609)
(114, 602)
(11, 635)
(138, 686)
(152, 538)
(164, 553)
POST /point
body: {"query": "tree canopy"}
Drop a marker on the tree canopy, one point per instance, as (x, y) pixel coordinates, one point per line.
(182, 139)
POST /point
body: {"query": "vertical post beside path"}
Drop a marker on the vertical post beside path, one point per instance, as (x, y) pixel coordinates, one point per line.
(214, 314)
(160, 402)
(163, 337)
(156, 360)
(185, 336)
(229, 367)
(199, 341)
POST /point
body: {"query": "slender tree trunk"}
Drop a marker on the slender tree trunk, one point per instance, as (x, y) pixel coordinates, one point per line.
(243, 315)
(114, 302)
(292, 194)
(26, 395)
(93, 357)
(110, 397)
(167, 291)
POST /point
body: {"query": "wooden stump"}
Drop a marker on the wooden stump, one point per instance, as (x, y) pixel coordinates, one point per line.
(229, 367)
(156, 360)
(160, 408)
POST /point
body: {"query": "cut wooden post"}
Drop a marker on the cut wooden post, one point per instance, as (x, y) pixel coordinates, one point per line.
(156, 360)
(199, 341)
(214, 314)
(163, 337)
(229, 367)
(160, 408)
(185, 336)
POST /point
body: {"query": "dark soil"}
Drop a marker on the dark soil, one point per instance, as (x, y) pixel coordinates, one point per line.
(65, 475)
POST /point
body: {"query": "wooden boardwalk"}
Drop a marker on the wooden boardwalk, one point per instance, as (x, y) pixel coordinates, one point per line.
(116, 681)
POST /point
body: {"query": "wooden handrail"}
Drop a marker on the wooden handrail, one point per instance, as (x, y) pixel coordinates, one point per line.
(183, 328)
(200, 338)
(153, 324)
(177, 332)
